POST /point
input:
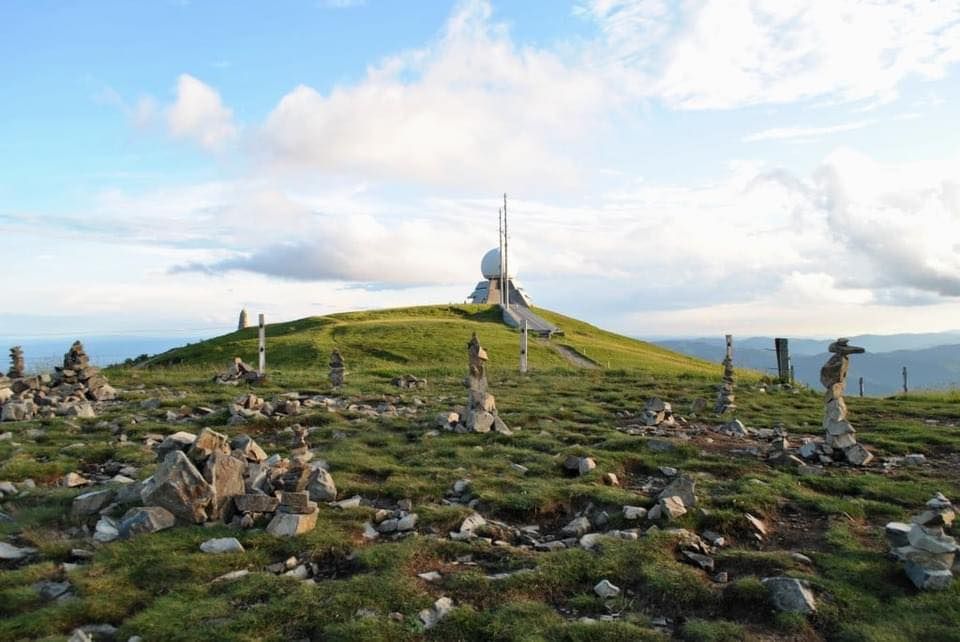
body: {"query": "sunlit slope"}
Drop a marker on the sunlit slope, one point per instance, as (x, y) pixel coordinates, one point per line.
(428, 338)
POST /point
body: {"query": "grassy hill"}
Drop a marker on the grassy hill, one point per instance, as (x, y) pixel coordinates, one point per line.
(429, 340)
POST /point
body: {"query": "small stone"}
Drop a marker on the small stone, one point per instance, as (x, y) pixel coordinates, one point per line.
(858, 455)
(291, 525)
(222, 545)
(586, 464)
(672, 507)
(606, 589)
(790, 595)
(91, 503)
(430, 576)
(897, 534)
(576, 527)
(634, 512)
(9, 552)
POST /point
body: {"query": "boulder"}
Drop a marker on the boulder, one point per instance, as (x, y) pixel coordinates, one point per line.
(91, 503)
(206, 443)
(177, 441)
(250, 449)
(291, 525)
(634, 512)
(790, 595)
(149, 519)
(927, 579)
(683, 487)
(180, 488)
(321, 486)
(18, 411)
(224, 473)
(671, 507)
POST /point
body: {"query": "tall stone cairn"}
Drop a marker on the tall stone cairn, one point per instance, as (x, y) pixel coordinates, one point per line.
(481, 405)
(17, 367)
(839, 432)
(244, 321)
(725, 396)
(78, 372)
(337, 369)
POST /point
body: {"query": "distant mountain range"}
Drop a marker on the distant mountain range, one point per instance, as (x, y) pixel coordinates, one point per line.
(932, 359)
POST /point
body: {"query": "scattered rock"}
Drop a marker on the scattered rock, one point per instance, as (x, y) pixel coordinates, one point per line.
(605, 589)
(222, 545)
(790, 595)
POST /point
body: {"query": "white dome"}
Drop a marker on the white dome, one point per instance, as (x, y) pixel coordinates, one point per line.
(490, 264)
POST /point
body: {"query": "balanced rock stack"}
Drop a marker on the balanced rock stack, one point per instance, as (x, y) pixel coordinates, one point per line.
(208, 477)
(69, 392)
(17, 367)
(78, 372)
(928, 553)
(481, 405)
(337, 369)
(725, 396)
(244, 321)
(839, 433)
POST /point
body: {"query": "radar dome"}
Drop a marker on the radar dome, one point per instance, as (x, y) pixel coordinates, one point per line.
(490, 264)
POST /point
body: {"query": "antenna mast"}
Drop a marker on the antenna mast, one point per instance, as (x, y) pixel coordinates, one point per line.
(505, 275)
(500, 239)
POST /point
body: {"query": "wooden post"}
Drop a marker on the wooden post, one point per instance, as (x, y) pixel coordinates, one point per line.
(861, 386)
(263, 347)
(905, 390)
(523, 345)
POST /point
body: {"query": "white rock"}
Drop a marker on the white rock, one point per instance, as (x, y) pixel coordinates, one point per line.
(606, 590)
(222, 545)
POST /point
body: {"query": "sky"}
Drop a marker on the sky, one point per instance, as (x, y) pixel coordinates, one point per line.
(696, 167)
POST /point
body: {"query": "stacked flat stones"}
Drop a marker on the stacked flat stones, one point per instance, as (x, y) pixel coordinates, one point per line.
(208, 478)
(839, 438)
(69, 392)
(78, 372)
(481, 415)
(725, 396)
(337, 369)
(929, 555)
(17, 367)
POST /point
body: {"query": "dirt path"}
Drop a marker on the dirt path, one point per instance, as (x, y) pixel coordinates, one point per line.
(573, 356)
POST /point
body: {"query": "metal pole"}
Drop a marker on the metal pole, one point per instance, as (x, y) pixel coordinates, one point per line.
(523, 345)
(905, 390)
(861, 386)
(500, 280)
(506, 249)
(262, 335)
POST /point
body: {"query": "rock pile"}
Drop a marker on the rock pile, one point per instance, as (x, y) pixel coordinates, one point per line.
(839, 433)
(209, 477)
(410, 382)
(17, 367)
(238, 371)
(725, 396)
(481, 413)
(657, 412)
(69, 392)
(928, 553)
(337, 369)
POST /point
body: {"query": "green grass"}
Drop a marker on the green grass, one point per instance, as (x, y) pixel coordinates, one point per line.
(160, 586)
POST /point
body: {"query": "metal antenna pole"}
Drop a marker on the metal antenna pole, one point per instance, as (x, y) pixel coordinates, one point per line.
(506, 249)
(500, 240)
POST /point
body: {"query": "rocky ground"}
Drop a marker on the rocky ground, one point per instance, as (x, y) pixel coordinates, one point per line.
(616, 507)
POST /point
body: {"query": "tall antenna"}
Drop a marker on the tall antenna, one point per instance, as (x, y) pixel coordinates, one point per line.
(500, 239)
(506, 250)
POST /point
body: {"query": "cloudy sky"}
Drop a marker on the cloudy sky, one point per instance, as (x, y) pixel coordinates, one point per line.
(674, 168)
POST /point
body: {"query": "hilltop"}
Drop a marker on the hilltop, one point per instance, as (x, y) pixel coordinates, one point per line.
(430, 340)
(549, 533)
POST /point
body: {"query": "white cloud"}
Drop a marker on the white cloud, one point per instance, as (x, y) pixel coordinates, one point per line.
(805, 133)
(199, 114)
(720, 54)
(468, 109)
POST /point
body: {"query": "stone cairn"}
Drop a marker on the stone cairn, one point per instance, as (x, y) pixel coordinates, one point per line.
(481, 405)
(928, 553)
(725, 396)
(238, 371)
(17, 367)
(68, 393)
(839, 433)
(244, 321)
(211, 478)
(337, 369)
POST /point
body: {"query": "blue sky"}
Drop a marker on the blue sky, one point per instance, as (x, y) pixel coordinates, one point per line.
(789, 167)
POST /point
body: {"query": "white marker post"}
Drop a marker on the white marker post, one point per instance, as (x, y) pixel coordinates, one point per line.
(263, 347)
(523, 346)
